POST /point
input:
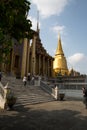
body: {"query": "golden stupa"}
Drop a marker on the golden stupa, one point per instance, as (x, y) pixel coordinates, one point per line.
(60, 63)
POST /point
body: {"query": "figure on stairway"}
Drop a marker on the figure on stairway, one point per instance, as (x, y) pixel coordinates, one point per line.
(25, 80)
(85, 96)
(29, 78)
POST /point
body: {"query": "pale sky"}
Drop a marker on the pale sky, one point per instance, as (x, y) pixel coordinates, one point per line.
(70, 19)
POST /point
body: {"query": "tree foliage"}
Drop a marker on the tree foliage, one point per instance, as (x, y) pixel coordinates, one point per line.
(13, 22)
(5, 46)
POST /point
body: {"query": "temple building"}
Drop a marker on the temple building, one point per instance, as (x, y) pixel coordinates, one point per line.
(29, 57)
(60, 63)
(61, 71)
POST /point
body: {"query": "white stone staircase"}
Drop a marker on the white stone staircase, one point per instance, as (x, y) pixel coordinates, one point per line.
(26, 94)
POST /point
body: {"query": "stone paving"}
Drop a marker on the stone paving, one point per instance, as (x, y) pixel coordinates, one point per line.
(54, 115)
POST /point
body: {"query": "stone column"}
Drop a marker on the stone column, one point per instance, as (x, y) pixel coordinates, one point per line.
(24, 57)
(43, 65)
(33, 55)
(48, 68)
(51, 68)
(27, 58)
(12, 61)
(39, 64)
(3, 64)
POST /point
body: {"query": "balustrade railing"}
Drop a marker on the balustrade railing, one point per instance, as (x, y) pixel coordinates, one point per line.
(7, 97)
(2, 93)
(72, 86)
(73, 90)
(52, 90)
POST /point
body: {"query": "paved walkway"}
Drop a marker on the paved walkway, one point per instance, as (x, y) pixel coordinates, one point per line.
(53, 115)
(56, 115)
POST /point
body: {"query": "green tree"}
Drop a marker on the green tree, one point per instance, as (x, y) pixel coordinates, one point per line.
(13, 23)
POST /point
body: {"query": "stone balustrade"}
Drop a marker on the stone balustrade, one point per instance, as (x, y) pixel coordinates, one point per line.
(52, 90)
(1, 90)
(2, 96)
(6, 95)
(69, 90)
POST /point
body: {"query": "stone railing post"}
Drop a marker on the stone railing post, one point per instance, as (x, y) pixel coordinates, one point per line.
(10, 98)
(3, 96)
(7, 90)
(56, 93)
(39, 79)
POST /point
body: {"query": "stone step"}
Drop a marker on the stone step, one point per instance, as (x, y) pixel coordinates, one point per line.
(32, 98)
(26, 95)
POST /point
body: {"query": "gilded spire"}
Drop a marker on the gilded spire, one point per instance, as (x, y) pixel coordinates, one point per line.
(59, 50)
(60, 63)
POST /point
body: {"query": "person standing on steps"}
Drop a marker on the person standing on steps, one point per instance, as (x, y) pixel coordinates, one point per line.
(29, 78)
(84, 96)
(32, 80)
(25, 80)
